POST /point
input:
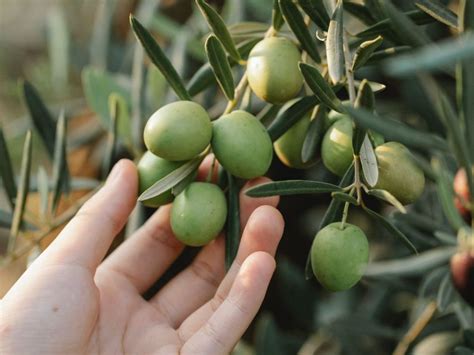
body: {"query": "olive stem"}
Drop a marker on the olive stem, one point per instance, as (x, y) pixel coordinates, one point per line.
(357, 181)
(345, 212)
(210, 173)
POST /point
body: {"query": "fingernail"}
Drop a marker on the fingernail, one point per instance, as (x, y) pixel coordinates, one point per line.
(115, 172)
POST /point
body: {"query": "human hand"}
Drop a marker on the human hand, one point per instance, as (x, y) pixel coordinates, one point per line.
(70, 302)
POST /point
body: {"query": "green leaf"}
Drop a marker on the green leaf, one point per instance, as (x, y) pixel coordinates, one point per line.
(334, 45)
(445, 293)
(43, 189)
(433, 57)
(6, 171)
(277, 19)
(295, 21)
(58, 47)
(114, 112)
(364, 52)
(397, 131)
(386, 196)
(315, 134)
(172, 179)
(317, 12)
(320, 87)
(287, 117)
(232, 231)
(404, 27)
(291, 187)
(380, 55)
(438, 11)
(220, 66)
(368, 162)
(22, 193)
(343, 197)
(365, 98)
(391, 228)
(411, 265)
(60, 167)
(159, 58)
(219, 28)
(360, 11)
(42, 119)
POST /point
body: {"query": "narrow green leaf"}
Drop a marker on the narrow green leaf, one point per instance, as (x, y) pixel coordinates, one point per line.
(180, 186)
(277, 19)
(320, 87)
(22, 193)
(380, 55)
(315, 134)
(334, 45)
(438, 11)
(220, 66)
(58, 47)
(404, 27)
(43, 189)
(295, 20)
(387, 197)
(368, 161)
(397, 131)
(109, 154)
(159, 58)
(288, 116)
(445, 293)
(291, 187)
(433, 57)
(360, 11)
(308, 268)
(232, 232)
(172, 179)
(42, 119)
(343, 197)
(391, 228)
(365, 98)
(317, 12)
(6, 171)
(215, 22)
(364, 52)
(60, 167)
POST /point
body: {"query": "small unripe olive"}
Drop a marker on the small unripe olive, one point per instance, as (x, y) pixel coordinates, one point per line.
(288, 147)
(462, 274)
(463, 197)
(339, 256)
(242, 145)
(272, 70)
(178, 131)
(198, 213)
(336, 150)
(152, 168)
(399, 173)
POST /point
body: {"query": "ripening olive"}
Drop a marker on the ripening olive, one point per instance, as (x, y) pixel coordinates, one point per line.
(462, 274)
(152, 168)
(289, 146)
(339, 256)
(336, 149)
(272, 70)
(198, 213)
(463, 197)
(178, 131)
(399, 173)
(242, 145)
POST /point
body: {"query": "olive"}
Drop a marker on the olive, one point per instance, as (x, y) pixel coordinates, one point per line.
(336, 150)
(462, 274)
(463, 197)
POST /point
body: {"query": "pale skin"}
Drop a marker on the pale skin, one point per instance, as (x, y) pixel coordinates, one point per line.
(72, 301)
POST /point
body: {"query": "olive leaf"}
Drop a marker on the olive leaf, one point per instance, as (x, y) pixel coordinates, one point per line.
(314, 135)
(215, 22)
(277, 19)
(364, 51)
(387, 197)
(317, 12)
(362, 12)
(233, 232)
(390, 52)
(334, 45)
(22, 192)
(288, 116)
(291, 187)
(438, 11)
(295, 21)
(343, 197)
(320, 87)
(43, 189)
(114, 112)
(365, 98)
(446, 293)
(391, 228)
(6, 171)
(60, 166)
(159, 58)
(220, 66)
(172, 179)
(368, 162)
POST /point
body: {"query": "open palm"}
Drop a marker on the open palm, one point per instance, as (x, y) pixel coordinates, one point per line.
(70, 302)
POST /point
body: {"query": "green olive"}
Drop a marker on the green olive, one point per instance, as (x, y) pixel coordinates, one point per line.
(272, 70)
(151, 169)
(288, 147)
(242, 145)
(198, 213)
(178, 131)
(336, 150)
(339, 256)
(398, 172)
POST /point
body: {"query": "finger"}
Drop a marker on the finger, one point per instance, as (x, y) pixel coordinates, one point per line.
(262, 233)
(87, 237)
(227, 325)
(249, 204)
